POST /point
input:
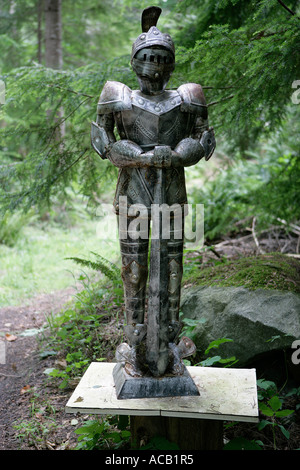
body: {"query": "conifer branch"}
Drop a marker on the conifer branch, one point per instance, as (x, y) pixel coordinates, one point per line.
(219, 101)
(287, 8)
(67, 168)
(53, 85)
(263, 34)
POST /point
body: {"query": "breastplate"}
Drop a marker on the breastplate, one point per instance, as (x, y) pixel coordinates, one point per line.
(155, 120)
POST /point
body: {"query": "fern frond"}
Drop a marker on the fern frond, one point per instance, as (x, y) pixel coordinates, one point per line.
(106, 267)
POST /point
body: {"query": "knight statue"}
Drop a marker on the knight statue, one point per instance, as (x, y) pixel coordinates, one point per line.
(160, 133)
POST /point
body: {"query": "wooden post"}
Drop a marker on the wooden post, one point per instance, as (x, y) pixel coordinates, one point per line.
(187, 433)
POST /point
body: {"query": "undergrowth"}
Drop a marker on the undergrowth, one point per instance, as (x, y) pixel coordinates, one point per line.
(87, 331)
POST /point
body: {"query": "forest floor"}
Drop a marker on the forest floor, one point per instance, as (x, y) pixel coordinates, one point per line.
(25, 393)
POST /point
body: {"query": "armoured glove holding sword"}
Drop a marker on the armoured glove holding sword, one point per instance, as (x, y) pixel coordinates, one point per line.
(161, 132)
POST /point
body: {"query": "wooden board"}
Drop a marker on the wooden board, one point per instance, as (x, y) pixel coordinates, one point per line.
(225, 394)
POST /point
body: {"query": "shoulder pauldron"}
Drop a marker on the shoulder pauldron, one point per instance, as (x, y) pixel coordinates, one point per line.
(115, 97)
(193, 100)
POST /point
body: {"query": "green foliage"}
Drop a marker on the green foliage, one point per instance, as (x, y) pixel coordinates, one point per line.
(36, 263)
(241, 51)
(81, 339)
(45, 121)
(11, 227)
(92, 31)
(244, 53)
(270, 405)
(211, 361)
(159, 443)
(85, 332)
(295, 392)
(241, 443)
(50, 151)
(189, 326)
(72, 370)
(265, 185)
(106, 267)
(106, 433)
(271, 414)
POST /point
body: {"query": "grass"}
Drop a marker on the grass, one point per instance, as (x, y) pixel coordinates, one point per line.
(36, 263)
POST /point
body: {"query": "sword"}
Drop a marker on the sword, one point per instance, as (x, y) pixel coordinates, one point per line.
(157, 350)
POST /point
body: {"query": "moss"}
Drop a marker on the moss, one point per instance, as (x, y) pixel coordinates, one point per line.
(270, 271)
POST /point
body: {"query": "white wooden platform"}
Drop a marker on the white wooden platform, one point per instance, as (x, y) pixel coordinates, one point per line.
(225, 394)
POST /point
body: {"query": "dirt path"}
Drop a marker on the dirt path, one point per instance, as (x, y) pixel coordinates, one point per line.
(22, 378)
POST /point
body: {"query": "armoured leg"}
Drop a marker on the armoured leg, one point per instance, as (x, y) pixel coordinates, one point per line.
(175, 258)
(134, 253)
(175, 254)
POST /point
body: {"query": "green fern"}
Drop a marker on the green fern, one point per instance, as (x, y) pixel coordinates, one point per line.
(106, 267)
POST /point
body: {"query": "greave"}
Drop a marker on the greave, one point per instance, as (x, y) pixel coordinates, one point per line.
(134, 253)
(175, 254)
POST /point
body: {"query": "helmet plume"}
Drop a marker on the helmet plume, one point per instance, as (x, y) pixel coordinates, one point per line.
(150, 17)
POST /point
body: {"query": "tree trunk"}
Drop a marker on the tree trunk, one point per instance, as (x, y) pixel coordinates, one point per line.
(53, 34)
(53, 49)
(40, 7)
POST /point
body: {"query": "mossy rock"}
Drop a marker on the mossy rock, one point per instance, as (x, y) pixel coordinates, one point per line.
(253, 301)
(270, 271)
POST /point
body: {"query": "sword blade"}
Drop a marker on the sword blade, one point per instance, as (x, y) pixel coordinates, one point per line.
(157, 353)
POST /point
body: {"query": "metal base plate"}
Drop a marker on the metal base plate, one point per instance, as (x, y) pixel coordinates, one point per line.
(152, 387)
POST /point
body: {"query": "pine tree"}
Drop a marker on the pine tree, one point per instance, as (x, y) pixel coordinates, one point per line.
(38, 163)
(247, 55)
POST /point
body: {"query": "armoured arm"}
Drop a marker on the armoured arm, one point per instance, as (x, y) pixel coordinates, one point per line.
(125, 153)
(201, 143)
(192, 149)
(116, 97)
(102, 135)
(187, 153)
(122, 153)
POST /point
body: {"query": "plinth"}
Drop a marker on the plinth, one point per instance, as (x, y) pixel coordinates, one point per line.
(193, 422)
(152, 387)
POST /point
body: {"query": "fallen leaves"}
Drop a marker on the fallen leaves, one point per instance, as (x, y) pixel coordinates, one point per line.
(10, 337)
(79, 399)
(25, 389)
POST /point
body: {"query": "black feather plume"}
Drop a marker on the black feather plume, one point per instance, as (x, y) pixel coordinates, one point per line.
(150, 17)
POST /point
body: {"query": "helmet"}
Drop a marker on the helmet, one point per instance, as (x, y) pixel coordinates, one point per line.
(153, 54)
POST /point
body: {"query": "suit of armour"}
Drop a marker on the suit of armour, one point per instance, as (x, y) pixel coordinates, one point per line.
(157, 129)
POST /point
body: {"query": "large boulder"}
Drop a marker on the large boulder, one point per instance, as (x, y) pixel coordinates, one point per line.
(257, 320)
